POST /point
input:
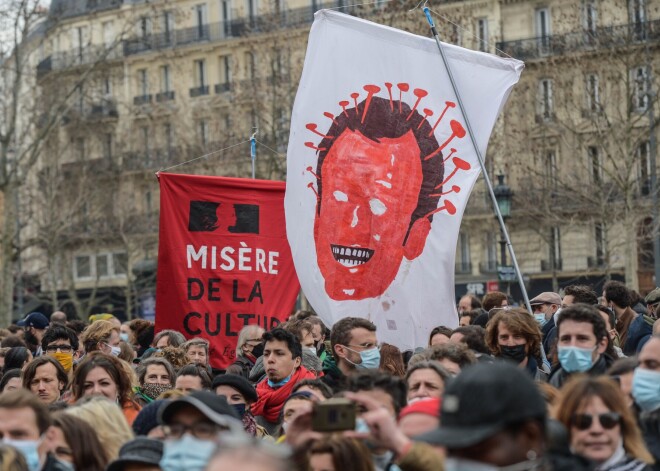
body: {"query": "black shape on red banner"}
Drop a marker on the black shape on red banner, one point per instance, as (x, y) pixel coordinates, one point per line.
(247, 219)
(202, 216)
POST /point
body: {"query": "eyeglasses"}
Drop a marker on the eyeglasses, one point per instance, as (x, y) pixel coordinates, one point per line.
(201, 430)
(59, 348)
(608, 420)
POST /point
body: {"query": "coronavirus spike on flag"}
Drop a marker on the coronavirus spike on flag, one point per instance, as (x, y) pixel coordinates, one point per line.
(380, 168)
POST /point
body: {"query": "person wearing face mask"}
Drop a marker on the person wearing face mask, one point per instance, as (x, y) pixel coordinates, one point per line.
(35, 325)
(582, 343)
(156, 375)
(646, 393)
(23, 421)
(192, 424)
(283, 363)
(240, 394)
(515, 336)
(544, 307)
(354, 349)
(61, 343)
(249, 338)
(101, 336)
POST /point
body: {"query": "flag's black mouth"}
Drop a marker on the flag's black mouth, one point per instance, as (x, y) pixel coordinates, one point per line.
(351, 256)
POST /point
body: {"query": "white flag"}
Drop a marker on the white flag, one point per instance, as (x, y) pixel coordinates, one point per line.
(380, 168)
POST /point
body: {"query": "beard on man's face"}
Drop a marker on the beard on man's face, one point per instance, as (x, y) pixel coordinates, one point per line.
(31, 339)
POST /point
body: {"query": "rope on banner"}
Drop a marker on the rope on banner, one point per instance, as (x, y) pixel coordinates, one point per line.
(203, 156)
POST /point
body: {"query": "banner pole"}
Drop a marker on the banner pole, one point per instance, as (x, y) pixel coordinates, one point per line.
(253, 151)
(489, 184)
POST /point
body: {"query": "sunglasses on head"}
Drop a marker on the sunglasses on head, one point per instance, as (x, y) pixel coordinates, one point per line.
(609, 420)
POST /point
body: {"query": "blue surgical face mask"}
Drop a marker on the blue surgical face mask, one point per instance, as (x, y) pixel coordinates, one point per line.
(370, 359)
(123, 336)
(540, 318)
(646, 389)
(281, 382)
(29, 450)
(186, 454)
(575, 359)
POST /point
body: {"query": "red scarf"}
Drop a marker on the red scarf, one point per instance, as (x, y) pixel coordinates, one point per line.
(271, 400)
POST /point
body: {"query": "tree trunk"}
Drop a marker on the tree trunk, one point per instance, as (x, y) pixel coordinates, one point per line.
(7, 256)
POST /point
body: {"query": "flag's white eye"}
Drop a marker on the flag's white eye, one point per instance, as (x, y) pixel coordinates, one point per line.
(377, 207)
(340, 196)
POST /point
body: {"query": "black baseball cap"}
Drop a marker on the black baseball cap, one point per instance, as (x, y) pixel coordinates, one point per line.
(140, 450)
(34, 319)
(214, 407)
(482, 400)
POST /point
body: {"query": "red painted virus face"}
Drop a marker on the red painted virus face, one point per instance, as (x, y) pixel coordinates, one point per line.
(370, 190)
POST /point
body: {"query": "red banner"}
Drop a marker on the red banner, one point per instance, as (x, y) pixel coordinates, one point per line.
(223, 259)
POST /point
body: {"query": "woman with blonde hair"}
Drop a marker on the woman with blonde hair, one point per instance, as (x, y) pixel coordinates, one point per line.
(11, 459)
(601, 428)
(101, 336)
(106, 419)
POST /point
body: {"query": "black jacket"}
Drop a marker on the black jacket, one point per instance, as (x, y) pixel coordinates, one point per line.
(558, 377)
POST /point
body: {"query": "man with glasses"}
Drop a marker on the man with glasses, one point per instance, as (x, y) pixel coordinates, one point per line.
(61, 343)
(192, 426)
(354, 347)
(249, 348)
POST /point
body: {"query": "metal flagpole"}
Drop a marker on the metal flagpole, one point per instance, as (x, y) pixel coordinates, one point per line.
(253, 150)
(434, 31)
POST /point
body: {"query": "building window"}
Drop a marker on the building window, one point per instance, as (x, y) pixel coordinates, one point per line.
(143, 82)
(80, 148)
(545, 99)
(144, 27)
(543, 23)
(595, 164)
(168, 26)
(251, 9)
(200, 21)
(144, 131)
(165, 81)
(550, 168)
(590, 16)
(640, 86)
(637, 11)
(200, 73)
(225, 69)
(101, 265)
(107, 146)
(250, 65)
(599, 233)
(464, 252)
(455, 34)
(168, 138)
(482, 34)
(491, 251)
(593, 93)
(643, 157)
(108, 33)
(203, 131)
(554, 252)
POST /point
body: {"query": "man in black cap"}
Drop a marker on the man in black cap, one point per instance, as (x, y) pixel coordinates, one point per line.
(493, 417)
(140, 454)
(491, 414)
(35, 325)
(191, 425)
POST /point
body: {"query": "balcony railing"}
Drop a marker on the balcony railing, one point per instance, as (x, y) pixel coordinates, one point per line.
(106, 108)
(73, 58)
(164, 96)
(601, 38)
(464, 268)
(142, 99)
(220, 31)
(488, 267)
(222, 87)
(546, 265)
(199, 91)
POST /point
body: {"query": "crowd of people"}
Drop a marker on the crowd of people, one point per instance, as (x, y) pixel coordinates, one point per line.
(573, 385)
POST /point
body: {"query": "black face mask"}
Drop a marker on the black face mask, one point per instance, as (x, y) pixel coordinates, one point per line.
(258, 350)
(515, 353)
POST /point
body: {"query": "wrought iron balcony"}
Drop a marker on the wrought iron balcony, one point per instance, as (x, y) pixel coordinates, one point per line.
(165, 96)
(219, 31)
(142, 99)
(74, 58)
(199, 91)
(601, 38)
(222, 87)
